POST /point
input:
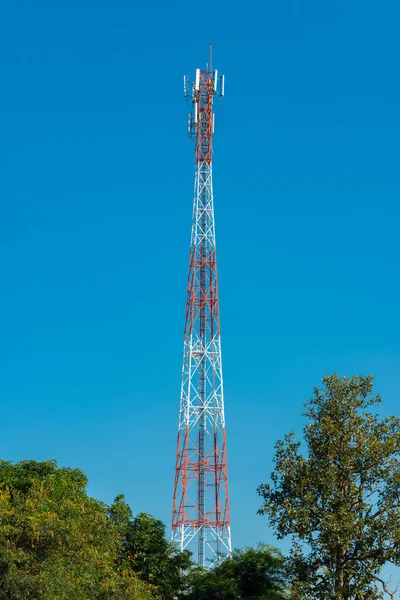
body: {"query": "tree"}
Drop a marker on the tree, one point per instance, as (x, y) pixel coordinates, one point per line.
(148, 553)
(341, 502)
(56, 541)
(253, 573)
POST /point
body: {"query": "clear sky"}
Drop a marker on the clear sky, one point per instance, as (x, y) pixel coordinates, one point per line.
(96, 180)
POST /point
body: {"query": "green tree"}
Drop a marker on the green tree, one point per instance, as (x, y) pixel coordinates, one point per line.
(55, 541)
(253, 574)
(340, 502)
(148, 553)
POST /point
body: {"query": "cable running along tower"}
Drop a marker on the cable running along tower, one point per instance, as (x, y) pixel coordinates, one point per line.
(201, 518)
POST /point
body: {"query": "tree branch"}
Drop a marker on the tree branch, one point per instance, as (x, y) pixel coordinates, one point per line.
(385, 588)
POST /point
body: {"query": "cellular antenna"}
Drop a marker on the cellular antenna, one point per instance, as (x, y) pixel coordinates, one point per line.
(201, 515)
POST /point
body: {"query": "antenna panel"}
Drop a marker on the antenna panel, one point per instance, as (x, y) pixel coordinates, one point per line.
(197, 84)
(215, 81)
(222, 85)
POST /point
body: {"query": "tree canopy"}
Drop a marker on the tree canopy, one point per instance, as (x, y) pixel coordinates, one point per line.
(55, 541)
(148, 553)
(253, 573)
(341, 501)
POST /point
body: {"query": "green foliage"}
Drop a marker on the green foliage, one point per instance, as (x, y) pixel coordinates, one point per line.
(56, 543)
(148, 553)
(341, 503)
(253, 573)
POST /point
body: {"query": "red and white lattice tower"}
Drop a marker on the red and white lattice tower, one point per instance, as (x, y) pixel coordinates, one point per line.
(201, 518)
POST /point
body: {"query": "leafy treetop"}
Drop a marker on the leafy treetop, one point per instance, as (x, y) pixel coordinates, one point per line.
(340, 502)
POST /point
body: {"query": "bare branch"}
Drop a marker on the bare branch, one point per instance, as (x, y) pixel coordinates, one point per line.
(391, 594)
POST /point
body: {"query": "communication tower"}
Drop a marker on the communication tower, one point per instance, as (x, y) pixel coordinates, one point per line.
(201, 516)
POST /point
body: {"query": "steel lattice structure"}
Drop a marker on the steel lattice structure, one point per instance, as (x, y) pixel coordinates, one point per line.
(201, 517)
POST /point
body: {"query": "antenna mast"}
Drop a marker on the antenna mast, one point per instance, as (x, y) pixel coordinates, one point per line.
(201, 516)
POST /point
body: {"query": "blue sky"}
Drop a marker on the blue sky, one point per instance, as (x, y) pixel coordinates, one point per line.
(96, 180)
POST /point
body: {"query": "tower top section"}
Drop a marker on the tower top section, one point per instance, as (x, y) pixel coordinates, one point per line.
(201, 119)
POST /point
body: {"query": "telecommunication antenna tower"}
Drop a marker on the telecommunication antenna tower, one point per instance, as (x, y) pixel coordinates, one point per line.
(201, 517)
